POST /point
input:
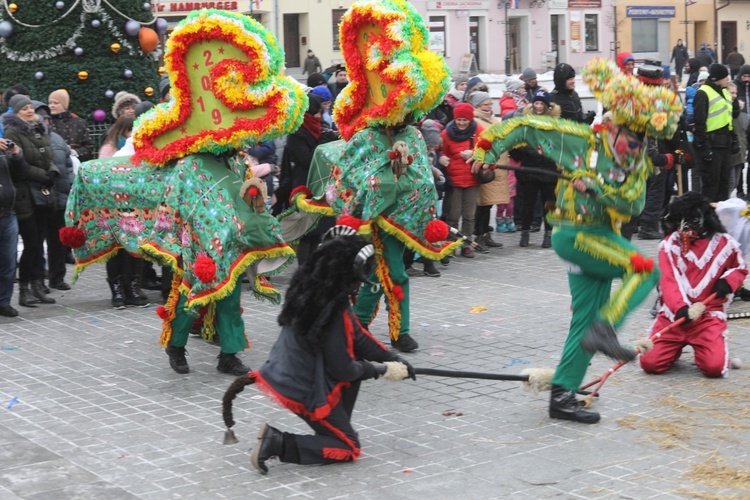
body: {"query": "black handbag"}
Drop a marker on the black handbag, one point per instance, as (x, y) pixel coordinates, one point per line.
(42, 196)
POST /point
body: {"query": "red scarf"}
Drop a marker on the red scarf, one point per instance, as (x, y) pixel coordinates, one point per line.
(312, 125)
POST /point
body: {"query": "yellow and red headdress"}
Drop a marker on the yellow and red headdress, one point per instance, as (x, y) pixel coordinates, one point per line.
(654, 111)
(226, 72)
(391, 71)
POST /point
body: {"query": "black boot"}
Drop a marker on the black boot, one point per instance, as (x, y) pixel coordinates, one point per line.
(490, 243)
(37, 290)
(547, 239)
(231, 364)
(177, 359)
(480, 242)
(405, 343)
(118, 299)
(430, 269)
(564, 405)
(133, 294)
(24, 296)
(270, 444)
(524, 238)
(602, 337)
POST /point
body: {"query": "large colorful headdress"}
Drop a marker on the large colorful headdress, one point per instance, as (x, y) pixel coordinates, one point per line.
(228, 89)
(391, 71)
(654, 111)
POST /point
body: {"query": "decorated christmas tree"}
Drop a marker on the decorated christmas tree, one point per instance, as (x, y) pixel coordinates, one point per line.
(92, 48)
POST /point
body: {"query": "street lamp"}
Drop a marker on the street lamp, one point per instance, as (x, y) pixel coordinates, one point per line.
(688, 3)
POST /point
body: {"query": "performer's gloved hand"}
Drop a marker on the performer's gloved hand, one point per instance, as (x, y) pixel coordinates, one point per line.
(671, 161)
(369, 371)
(679, 157)
(722, 288)
(409, 368)
(682, 312)
(589, 117)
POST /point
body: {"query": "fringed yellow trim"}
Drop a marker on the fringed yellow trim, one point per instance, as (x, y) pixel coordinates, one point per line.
(603, 248)
(237, 271)
(171, 307)
(263, 290)
(381, 270)
(149, 250)
(413, 243)
(617, 307)
(99, 259)
(209, 322)
(313, 207)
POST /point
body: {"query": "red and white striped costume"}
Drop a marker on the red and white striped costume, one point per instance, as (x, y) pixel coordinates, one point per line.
(688, 278)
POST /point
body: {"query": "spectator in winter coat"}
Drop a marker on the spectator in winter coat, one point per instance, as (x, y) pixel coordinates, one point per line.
(475, 84)
(311, 64)
(72, 128)
(56, 251)
(743, 94)
(459, 139)
(693, 69)
(35, 200)
(338, 85)
(735, 61)
(513, 98)
(565, 96)
(680, 57)
(124, 105)
(704, 56)
(13, 169)
(530, 82)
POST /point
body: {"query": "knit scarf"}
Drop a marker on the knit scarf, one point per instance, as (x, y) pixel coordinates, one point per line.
(312, 124)
(519, 98)
(457, 135)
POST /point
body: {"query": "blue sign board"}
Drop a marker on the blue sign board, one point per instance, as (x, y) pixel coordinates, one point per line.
(637, 11)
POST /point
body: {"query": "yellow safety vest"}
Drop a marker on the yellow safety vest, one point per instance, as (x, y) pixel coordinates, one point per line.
(719, 109)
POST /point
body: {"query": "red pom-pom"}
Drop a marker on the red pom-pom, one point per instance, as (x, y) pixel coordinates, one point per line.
(640, 263)
(436, 231)
(205, 269)
(398, 292)
(484, 144)
(300, 189)
(72, 237)
(253, 191)
(349, 220)
(162, 312)
(393, 155)
(410, 159)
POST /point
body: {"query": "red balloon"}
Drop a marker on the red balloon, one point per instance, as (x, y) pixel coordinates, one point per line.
(148, 39)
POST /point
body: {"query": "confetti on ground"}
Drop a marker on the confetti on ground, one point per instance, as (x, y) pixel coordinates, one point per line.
(9, 348)
(437, 346)
(515, 361)
(451, 413)
(95, 321)
(407, 471)
(446, 326)
(460, 324)
(129, 341)
(12, 402)
(477, 309)
(424, 324)
(436, 354)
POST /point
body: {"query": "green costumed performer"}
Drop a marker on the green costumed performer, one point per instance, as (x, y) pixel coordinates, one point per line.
(593, 200)
(183, 199)
(380, 173)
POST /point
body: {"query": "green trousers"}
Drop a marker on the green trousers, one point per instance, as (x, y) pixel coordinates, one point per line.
(595, 257)
(229, 323)
(367, 299)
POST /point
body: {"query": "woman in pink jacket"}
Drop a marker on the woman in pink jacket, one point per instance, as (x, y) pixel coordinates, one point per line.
(459, 138)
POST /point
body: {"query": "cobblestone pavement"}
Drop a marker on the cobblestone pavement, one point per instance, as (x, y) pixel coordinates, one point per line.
(90, 408)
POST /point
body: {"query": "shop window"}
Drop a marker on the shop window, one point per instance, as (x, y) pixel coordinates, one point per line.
(336, 15)
(437, 34)
(645, 35)
(591, 23)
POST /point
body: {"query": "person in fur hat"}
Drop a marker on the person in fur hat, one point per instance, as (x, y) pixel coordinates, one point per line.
(124, 104)
(697, 258)
(322, 356)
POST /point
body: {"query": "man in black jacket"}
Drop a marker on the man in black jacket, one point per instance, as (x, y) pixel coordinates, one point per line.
(680, 57)
(12, 168)
(565, 96)
(714, 137)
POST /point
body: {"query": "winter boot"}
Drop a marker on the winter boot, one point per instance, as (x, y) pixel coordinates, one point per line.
(133, 294)
(270, 444)
(405, 343)
(37, 290)
(547, 239)
(231, 364)
(480, 241)
(24, 296)
(467, 251)
(524, 238)
(564, 405)
(510, 224)
(602, 337)
(430, 269)
(490, 243)
(118, 299)
(501, 225)
(177, 359)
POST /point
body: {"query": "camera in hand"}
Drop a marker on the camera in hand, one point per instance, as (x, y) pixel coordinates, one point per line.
(10, 144)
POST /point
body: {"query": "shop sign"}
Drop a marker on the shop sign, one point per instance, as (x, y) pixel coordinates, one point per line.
(584, 4)
(459, 5)
(632, 11)
(166, 7)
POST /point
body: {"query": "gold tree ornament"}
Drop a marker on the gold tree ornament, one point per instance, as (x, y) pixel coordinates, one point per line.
(162, 71)
(149, 91)
(115, 47)
(82, 75)
(12, 8)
